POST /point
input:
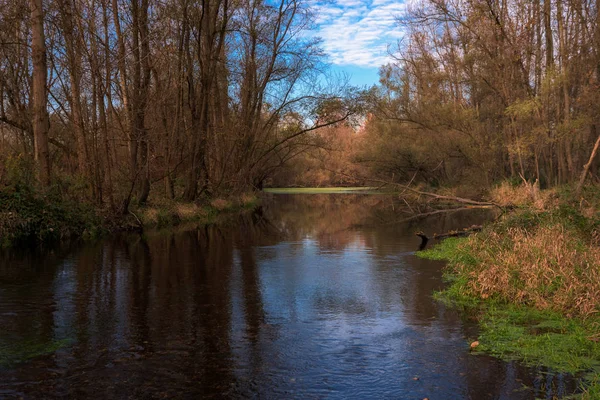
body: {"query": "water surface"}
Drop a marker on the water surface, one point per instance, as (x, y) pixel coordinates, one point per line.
(316, 296)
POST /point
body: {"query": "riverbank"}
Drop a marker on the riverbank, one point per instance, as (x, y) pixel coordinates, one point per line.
(165, 213)
(532, 279)
(28, 216)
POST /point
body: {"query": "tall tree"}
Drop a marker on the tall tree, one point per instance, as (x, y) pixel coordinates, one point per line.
(41, 123)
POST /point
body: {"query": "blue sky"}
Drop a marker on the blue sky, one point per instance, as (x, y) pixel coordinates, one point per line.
(357, 33)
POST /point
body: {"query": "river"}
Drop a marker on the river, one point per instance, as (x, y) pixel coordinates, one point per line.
(309, 296)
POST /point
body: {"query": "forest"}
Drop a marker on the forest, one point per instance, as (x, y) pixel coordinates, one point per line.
(196, 200)
(118, 102)
(122, 99)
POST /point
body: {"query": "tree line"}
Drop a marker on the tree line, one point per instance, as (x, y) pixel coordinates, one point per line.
(484, 90)
(183, 97)
(121, 98)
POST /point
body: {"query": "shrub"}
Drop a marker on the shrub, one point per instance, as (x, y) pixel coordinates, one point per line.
(26, 215)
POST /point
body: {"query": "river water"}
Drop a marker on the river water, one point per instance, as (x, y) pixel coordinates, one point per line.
(309, 296)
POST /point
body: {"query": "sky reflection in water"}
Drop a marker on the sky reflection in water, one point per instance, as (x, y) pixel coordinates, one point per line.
(308, 297)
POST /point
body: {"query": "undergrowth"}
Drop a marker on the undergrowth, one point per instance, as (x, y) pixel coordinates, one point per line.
(547, 260)
(32, 216)
(166, 213)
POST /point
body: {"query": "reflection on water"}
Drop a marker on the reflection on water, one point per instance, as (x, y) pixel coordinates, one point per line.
(318, 297)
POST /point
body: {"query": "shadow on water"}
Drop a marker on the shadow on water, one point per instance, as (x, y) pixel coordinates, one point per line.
(318, 297)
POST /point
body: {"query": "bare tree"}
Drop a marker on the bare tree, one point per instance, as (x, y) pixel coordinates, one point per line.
(41, 122)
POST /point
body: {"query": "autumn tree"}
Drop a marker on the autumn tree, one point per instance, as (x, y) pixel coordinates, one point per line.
(499, 89)
(181, 98)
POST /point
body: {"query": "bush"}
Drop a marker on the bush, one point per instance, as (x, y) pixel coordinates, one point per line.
(27, 215)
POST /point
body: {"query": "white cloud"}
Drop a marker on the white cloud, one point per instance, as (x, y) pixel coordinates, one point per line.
(358, 32)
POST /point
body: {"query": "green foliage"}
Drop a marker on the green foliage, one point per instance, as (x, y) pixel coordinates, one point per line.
(19, 171)
(166, 218)
(444, 250)
(524, 109)
(27, 215)
(71, 187)
(456, 294)
(592, 388)
(565, 214)
(526, 218)
(451, 249)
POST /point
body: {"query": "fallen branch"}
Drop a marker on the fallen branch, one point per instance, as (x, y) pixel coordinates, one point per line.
(140, 224)
(454, 233)
(435, 196)
(423, 215)
(586, 167)
(444, 211)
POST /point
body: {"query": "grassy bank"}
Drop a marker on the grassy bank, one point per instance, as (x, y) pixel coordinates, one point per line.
(165, 213)
(533, 281)
(28, 216)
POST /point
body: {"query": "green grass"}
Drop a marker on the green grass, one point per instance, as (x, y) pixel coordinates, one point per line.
(324, 190)
(592, 389)
(445, 250)
(539, 338)
(456, 294)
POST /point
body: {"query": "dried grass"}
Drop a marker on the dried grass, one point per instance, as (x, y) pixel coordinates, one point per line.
(188, 211)
(220, 204)
(171, 214)
(547, 268)
(247, 198)
(526, 194)
(150, 216)
(507, 195)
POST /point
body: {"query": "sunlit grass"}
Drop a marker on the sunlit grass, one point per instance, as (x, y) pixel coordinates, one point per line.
(325, 190)
(167, 213)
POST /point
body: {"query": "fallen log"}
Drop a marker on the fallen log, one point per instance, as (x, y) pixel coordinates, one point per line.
(458, 233)
(454, 233)
(434, 196)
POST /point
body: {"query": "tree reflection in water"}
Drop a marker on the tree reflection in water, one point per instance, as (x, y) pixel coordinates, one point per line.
(308, 296)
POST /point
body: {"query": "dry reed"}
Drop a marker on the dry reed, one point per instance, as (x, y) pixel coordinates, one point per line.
(526, 194)
(547, 268)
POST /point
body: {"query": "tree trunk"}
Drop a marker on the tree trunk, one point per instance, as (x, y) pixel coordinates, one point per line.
(142, 98)
(74, 61)
(41, 123)
(548, 32)
(121, 61)
(586, 168)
